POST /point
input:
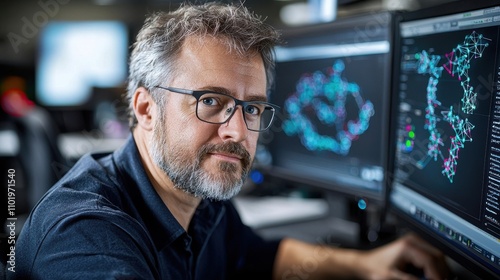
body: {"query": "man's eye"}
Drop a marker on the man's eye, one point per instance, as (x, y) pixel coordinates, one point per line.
(252, 110)
(210, 101)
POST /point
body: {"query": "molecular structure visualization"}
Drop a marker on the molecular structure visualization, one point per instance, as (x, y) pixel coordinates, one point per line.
(457, 65)
(325, 97)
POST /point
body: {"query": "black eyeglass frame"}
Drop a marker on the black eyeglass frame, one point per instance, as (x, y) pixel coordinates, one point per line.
(199, 93)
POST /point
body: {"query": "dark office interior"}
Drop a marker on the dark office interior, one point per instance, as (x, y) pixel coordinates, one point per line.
(63, 71)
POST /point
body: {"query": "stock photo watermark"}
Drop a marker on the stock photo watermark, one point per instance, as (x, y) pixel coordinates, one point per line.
(31, 26)
(11, 220)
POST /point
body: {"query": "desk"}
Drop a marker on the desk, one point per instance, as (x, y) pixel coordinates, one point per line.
(304, 219)
(308, 220)
(259, 212)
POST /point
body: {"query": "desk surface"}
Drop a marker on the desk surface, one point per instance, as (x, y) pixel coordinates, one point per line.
(259, 212)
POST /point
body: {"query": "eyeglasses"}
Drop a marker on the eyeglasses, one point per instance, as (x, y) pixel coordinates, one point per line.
(218, 108)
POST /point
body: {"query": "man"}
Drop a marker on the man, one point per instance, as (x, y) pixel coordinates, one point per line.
(158, 208)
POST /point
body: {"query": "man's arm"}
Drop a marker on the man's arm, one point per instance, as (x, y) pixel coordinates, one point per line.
(299, 260)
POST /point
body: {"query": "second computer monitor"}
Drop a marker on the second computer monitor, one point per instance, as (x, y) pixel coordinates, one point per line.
(447, 130)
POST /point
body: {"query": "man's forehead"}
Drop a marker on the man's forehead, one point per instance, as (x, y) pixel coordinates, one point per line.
(209, 65)
(222, 44)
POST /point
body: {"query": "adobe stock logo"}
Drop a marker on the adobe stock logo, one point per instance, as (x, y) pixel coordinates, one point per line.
(30, 28)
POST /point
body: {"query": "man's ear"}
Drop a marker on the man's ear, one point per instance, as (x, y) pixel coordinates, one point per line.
(144, 108)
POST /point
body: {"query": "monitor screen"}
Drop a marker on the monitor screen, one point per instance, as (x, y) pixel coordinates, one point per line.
(75, 56)
(333, 84)
(446, 133)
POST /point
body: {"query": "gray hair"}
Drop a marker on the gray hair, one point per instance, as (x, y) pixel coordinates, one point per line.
(159, 42)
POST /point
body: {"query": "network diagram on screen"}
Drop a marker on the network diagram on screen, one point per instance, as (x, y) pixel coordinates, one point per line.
(442, 146)
(447, 131)
(334, 92)
(324, 95)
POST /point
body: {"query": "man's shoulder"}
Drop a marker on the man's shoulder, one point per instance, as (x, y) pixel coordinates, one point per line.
(91, 168)
(93, 173)
(90, 186)
(81, 229)
(89, 203)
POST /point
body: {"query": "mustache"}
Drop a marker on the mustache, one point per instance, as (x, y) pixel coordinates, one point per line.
(228, 147)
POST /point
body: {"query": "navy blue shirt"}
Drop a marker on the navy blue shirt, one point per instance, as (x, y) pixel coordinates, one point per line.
(104, 220)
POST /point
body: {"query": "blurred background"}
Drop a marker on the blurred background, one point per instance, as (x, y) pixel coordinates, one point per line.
(34, 15)
(63, 65)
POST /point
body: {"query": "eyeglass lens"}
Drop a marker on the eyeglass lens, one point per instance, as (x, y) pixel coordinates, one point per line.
(218, 108)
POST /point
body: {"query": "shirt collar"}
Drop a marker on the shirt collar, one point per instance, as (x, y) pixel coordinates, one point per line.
(149, 207)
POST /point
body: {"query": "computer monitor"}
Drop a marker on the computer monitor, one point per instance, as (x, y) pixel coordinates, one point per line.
(333, 85)
(75, 56)
(446, 137)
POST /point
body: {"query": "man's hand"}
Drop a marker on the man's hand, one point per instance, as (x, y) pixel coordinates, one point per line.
(391, 261)
(299, 260)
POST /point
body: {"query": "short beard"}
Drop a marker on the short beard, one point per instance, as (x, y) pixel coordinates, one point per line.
(187, 174)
